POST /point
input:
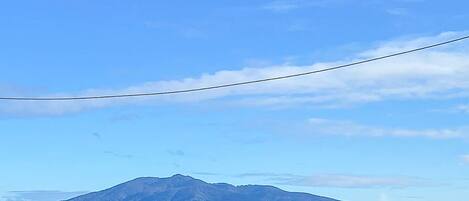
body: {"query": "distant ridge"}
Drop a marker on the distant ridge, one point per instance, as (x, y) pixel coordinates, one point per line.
(185, 188)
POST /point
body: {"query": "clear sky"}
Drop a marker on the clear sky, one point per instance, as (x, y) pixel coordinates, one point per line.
(394, 130)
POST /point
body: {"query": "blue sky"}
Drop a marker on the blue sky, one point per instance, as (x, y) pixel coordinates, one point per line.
(394, 130)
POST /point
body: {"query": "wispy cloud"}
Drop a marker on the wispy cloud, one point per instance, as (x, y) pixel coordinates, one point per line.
(463, 108)
(119, 155)
(40, 195)
(189, 31)
(433, 74)
(465, 158)
(97, 135)
(348, 128)
(124, 117)
(207, 173)
(288, 5)
(282, 5)
(383, 197)
(339, 180)
(398, 11)
(176, 152)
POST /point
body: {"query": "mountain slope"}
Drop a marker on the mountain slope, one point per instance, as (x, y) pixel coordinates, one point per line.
(184, 188)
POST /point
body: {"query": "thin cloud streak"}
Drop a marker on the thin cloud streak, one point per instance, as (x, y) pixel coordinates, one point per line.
(339, 180)
(463, 108)
(41, 195)
(289, 5)
(347, 128)
(119, 155)
(177, 152)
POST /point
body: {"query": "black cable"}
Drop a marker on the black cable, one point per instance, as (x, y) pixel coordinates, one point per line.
(232, 84)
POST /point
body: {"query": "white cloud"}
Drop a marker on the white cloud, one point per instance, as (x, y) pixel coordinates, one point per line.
(433, 74)
(339, 180)
(347, 128)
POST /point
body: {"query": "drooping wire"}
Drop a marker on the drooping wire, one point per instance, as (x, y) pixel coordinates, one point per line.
(235, 83)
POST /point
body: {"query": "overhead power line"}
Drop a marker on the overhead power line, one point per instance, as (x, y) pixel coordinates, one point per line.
(232, 84)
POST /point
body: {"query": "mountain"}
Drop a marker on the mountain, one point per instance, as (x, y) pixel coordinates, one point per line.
(185, 188)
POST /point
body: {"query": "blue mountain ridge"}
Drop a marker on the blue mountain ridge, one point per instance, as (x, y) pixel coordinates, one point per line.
(185, 188)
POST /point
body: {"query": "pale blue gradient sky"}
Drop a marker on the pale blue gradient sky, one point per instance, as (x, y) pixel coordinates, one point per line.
(361, 137)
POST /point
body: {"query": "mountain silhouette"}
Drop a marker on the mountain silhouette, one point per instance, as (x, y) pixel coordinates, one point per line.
(185, 188)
